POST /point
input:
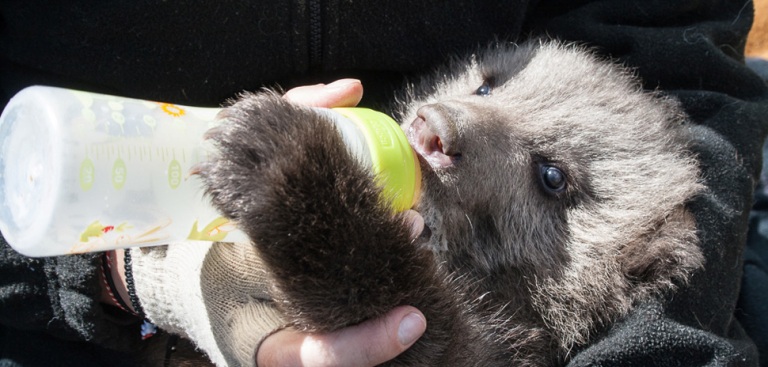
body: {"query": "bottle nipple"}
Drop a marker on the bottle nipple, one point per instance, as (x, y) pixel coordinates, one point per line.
(379, 143)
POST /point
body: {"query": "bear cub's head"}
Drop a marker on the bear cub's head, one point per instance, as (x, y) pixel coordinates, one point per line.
(545, 160)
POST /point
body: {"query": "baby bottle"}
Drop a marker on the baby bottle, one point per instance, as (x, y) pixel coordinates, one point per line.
(83, 172)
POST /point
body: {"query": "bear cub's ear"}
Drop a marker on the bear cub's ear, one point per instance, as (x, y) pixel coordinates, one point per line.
(663, 257)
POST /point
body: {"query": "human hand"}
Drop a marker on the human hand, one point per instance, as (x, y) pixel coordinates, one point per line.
(230, 280)
(372, 342)
(368, 344)
(234, 292)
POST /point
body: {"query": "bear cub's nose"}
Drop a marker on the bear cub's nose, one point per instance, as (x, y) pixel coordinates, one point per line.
(433, 136)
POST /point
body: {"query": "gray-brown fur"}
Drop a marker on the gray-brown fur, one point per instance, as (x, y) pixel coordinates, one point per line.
(513, 273)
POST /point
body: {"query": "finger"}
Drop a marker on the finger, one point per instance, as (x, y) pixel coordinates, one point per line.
(415, 221)
(341, 93)
(368, 344)
(282, 348)
(371, 343)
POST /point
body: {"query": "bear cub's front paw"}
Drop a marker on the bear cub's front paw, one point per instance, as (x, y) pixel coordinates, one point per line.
(272, 155)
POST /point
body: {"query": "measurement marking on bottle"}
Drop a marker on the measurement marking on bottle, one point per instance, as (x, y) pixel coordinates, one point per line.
(174, 174)
(93, 151)
(119, 174)
(87, 174)
(146, 152)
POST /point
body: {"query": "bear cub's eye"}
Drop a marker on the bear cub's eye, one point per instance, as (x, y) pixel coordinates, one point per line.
(552, 178)
(484, 90)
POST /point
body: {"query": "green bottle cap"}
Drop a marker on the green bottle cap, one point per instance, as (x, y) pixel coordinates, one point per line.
(392, 160)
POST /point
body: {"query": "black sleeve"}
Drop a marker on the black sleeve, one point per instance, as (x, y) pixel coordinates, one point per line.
(59, 296)
(692, 50)
(752, 309)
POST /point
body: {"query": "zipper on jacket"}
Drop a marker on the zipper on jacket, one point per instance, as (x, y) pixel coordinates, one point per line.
(315, 34)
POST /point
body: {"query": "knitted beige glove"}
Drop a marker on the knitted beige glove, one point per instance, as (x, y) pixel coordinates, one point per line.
(215, 295)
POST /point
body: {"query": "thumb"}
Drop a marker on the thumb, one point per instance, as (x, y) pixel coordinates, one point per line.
(341, 93)
(370, 343)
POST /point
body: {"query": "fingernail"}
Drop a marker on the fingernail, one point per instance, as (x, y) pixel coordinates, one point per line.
(415, 221)
(342, 83)
(411, 328)
(417, 226)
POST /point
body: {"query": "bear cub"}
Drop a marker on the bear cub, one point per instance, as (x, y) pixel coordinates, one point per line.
(554, 187)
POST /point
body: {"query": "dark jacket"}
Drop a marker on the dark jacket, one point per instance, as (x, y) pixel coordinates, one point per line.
(201, 53)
